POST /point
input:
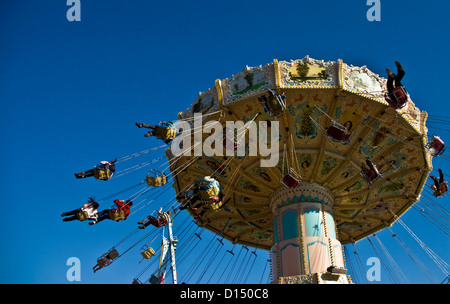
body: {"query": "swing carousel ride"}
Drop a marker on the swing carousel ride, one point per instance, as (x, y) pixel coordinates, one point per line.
(352, 161)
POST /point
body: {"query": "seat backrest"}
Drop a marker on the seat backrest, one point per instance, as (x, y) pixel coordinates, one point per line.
(335, 133)
(400, 95)
(274, 106)
(148, 253)
(289, 181)
(153, 279)
(83, 215)
(117, 215)
(101, 262)
(216, 205)
(372, 174)
(151, 181)
(437, 144)
(209, 194)
(162, 221)
(102, 174)
(113, 254)
(165, 132)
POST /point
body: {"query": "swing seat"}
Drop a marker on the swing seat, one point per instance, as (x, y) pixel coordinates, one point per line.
(101, 262)
(153, 279)
(208, 195)
(161, 221)
(214, 205)
(165, 133)
(400, 95)
(292, 179)
(82, 216)
(275, 106)
(156, 181)
(113, 254)
(116, 215)
(398, 98)
(437, 145)
(336, 133)
(442, 191)
(102, 174)
(371, 175)
(289, 181)
(148, 253)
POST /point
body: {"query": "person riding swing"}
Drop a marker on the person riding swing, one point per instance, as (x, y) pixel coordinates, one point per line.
(274, 104)
(103, 171)
(157, 179)
(87, 212)
(164, 131)
(396, 95)
(440, 186)
(206, 192)
(116, 214)
(369, 172)
(159, 221)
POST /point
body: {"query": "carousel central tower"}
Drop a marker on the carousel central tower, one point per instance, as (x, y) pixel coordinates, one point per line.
(305, 248)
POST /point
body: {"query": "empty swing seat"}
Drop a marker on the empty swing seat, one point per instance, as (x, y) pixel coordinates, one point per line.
(289, 181)
(292, 179)
(437, 145)
(336, 133)
(148, 253)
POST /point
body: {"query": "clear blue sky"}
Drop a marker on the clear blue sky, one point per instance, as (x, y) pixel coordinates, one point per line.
(71, 92)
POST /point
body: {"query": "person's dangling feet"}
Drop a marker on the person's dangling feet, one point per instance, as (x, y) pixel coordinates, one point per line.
(389, 72)
(399, 66)
(80, 175)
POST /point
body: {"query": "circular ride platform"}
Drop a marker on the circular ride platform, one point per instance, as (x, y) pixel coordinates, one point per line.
(318, 93)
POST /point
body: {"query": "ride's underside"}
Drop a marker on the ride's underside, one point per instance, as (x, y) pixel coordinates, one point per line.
(394, 140)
